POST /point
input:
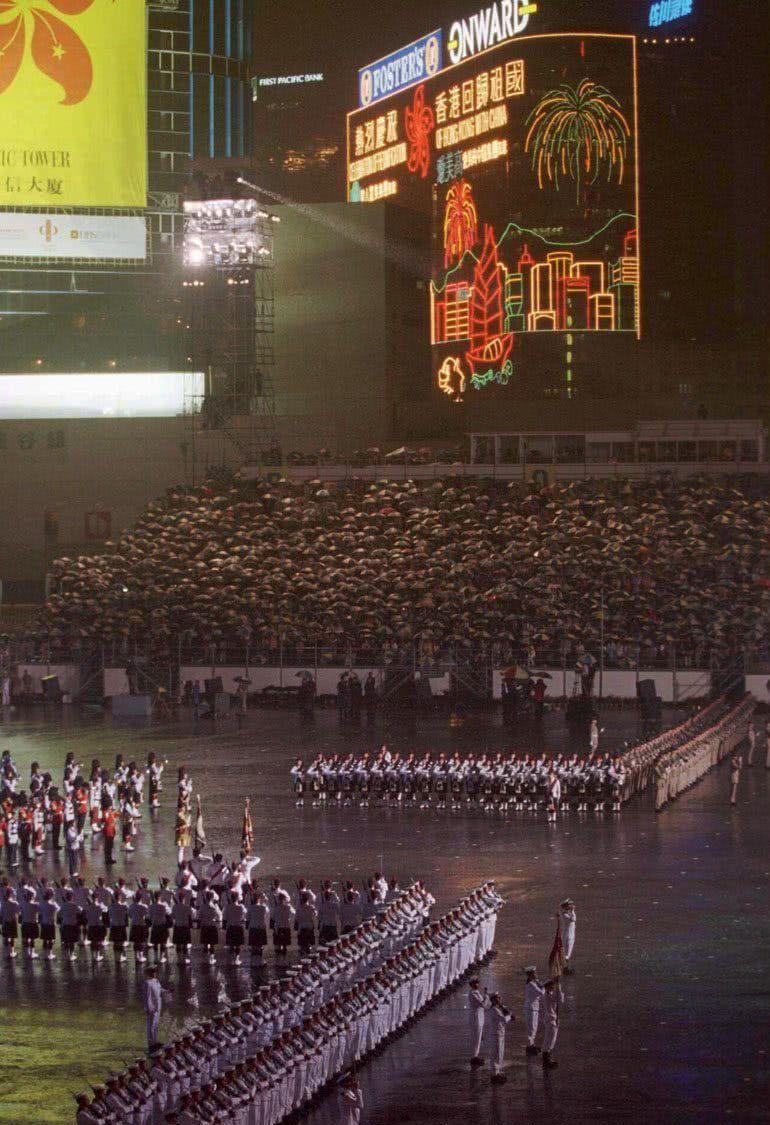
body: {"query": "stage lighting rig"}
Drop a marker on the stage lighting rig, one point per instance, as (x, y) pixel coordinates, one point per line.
(224, 234)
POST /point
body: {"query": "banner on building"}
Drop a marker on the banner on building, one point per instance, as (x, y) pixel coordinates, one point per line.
(26, 234)
(73, 103)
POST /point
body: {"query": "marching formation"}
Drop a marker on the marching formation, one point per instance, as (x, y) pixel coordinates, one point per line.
(681, 767)
(490, 782)
(265, 1058)
(101, 803)
(209, 896)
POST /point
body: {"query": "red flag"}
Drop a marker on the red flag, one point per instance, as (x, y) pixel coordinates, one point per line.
(247, 835)
(556, 960)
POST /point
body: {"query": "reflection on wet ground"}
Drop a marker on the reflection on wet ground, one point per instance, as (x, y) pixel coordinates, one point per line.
(664, 1019)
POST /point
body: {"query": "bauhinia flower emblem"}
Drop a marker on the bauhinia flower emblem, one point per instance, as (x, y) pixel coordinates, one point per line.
(56, 48)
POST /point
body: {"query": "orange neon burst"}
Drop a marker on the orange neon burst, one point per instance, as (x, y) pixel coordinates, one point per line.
(460, 221)
(56, 48)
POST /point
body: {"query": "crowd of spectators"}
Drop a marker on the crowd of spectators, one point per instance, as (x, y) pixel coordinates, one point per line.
(463, 565)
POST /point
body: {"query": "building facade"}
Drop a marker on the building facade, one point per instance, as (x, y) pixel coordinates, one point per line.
(83, 315)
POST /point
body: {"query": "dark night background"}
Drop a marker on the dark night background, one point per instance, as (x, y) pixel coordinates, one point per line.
(703, 139)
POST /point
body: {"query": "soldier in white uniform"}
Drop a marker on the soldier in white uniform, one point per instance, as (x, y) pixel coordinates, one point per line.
(153, 1002)
(568, 921)
(351, 1100)
(553, 997)
(478, 1002)
(498, 1016)
(533, 994)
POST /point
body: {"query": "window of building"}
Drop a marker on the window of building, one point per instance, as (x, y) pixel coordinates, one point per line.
(51, 527)
(623, 452)
(201, 25)
(598, 453)
(98, 525)
(570, 449)
(509, 449)
(484, 451)
(708, 451)
(538, 450)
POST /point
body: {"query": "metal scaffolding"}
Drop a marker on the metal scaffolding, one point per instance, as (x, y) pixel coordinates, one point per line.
(230, 320)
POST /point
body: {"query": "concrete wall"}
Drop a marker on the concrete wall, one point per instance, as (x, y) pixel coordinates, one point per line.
(70, 467)
(350, 329)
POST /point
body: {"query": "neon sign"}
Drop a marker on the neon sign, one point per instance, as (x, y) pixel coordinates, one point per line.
(460, 222)
(404, 68)
(487, 28)
(531, 185)
(290, 79)
(576, 133)
(420, 121)
(669, 10)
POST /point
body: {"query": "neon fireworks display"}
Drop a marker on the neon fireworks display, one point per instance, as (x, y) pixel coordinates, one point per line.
(460, 222)
(577, 133)
(532, 186)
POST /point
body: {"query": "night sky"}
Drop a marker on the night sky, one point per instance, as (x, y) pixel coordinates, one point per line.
(703, 132)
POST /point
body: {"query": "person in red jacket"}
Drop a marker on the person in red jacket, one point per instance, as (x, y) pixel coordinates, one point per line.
(25, 828)
(538, 699)
(109, 828)
(81, 806)
(56, 814)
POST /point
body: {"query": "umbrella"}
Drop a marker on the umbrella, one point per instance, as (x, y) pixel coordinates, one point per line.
(516, 672)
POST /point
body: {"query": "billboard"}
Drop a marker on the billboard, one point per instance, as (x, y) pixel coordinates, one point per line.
(35, 234)
(526, 158)
(116, 394)
(400, 70)
(72, 104)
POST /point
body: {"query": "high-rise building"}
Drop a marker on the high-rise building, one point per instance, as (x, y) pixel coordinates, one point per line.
(91, 315)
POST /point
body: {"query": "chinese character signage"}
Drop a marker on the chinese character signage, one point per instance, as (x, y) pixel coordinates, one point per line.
(72, 103)
(669, 10)
(526, 158)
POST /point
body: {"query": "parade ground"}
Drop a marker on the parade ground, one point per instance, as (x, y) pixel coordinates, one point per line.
(664, 1019)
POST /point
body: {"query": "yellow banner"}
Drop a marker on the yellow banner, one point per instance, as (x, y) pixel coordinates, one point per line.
(73, 103)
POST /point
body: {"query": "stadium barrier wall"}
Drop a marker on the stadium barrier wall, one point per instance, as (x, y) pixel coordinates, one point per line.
(69, 676)
(615, 683)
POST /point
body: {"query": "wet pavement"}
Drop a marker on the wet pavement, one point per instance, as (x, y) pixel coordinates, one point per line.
(665, 1019)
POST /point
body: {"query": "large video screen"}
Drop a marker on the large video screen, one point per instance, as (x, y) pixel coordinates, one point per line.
(526, 157)
(73, 103)
(115, 394)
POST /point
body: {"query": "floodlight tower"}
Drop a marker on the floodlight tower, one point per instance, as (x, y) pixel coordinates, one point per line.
(229, 282)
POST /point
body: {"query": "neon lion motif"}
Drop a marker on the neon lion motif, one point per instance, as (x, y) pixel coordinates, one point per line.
(577, 133)
(451, 378)
(56, 49)
(460, 222)
(418, 125)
